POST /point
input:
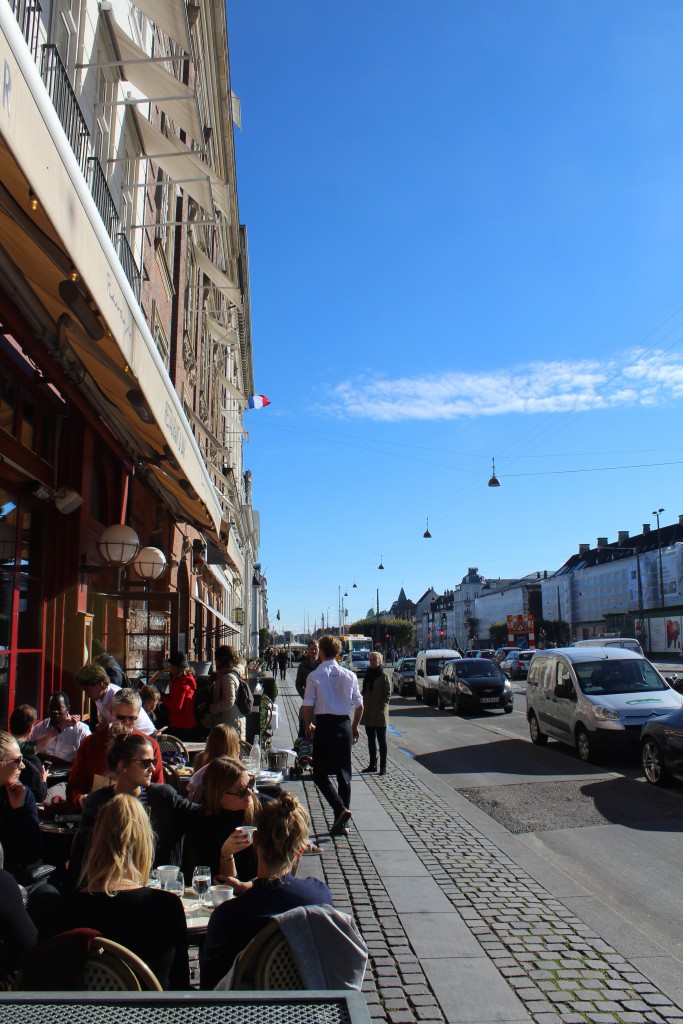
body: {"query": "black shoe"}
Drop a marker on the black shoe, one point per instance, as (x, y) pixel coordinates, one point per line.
(383, 770)
(339, 827)
(372, 767)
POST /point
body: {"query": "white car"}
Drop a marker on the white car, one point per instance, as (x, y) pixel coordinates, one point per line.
(357, 661)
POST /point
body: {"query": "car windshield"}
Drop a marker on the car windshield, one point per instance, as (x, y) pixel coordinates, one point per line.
(615, 676)
(434, 666)
(408, 664)
(360, 655)
(482, 669)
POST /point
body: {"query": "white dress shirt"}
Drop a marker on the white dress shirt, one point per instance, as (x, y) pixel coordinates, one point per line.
(67, 741)
(332, 690)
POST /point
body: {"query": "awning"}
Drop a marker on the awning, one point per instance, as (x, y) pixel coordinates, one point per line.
(219, 615)
(230, 387)
(170, 16)
(173, 97)
(218, 445)
(220, 577)
(221, 280)
(222, 335)
(183, 166)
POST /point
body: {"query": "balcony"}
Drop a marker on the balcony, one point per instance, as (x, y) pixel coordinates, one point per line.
(103, 197)
(64, 100)
(127, 261)
(27, 13)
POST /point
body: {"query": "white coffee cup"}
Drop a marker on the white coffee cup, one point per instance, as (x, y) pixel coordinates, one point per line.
(248, 831)
(220, 893)
(167, 873)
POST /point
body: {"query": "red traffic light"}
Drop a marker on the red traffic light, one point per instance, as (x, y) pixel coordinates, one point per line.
(440, 632)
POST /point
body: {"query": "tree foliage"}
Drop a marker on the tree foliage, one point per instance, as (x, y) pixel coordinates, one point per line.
(401, 633)
(498, 634)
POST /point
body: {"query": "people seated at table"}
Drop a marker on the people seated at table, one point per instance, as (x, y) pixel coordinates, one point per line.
(33, 774)
(280, 838)
(214, 837)
(114, 900)
(95, 682)
(89, 769)
(179, 701)
(59, 736)
(130, 762)
(19, 831)
(18, 933)
(222, 741)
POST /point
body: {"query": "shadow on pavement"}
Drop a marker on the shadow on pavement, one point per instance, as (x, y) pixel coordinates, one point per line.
(504, 757)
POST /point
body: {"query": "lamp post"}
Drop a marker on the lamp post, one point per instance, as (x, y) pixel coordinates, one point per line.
(657, 512)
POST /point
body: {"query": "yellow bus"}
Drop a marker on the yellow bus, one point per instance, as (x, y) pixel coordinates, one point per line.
(355, 642)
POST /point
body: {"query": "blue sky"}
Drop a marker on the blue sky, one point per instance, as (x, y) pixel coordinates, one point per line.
(465, 229)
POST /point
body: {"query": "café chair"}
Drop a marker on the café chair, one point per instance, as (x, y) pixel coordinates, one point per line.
(172, 745)
(110, 967)
(266, 963)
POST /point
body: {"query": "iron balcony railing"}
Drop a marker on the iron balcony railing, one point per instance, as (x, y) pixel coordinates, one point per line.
(103, 197)
(27, 13)
(127, 261)
(64, 99)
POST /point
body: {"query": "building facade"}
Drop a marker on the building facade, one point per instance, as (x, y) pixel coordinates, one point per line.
(125, 343)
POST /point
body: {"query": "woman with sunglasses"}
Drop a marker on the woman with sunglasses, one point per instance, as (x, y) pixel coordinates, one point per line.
(130, 759)
(214, 838)
(19, 832)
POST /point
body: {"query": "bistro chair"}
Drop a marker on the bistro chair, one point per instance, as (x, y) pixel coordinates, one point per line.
(110, 967)
(172, 745)
(266, 963)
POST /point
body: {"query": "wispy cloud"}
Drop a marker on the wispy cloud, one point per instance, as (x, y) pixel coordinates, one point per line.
(637, 378)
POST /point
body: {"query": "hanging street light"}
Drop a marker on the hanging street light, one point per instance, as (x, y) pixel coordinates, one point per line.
(494, 481)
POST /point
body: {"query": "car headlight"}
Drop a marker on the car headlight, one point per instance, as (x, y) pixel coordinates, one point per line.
(604, 714)
(464, 688)
(507, 685)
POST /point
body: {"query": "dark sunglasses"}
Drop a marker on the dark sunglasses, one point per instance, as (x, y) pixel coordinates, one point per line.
(126, 718)
(15, 761)
(241, 793)
(146, 762)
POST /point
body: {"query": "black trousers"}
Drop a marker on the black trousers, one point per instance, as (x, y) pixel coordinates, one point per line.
(332, 745)
(377, 734)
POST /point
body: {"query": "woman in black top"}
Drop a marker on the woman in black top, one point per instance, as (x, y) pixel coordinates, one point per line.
(19, 832)
(130, 758)
(215, 837)
(18, 933)
(114, 900)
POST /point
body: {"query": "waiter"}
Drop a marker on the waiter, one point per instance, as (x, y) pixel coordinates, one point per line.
(332, 693)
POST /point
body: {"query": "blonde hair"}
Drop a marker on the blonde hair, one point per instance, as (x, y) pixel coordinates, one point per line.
(122, 846)
(222, 775)
(282, 829)
(7, 745)
(222, 741)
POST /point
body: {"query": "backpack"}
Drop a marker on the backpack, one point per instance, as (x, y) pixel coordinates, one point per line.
(244, 698)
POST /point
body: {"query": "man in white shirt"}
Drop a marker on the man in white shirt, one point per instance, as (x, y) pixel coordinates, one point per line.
(59, 736)
(94, 680)
(332, 693)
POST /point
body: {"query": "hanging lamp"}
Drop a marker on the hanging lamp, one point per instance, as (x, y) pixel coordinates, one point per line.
(494, 481)
(427, 534)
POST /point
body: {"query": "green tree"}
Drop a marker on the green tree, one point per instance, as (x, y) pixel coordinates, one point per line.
(498, 634)
(263, 640)
(552, 631)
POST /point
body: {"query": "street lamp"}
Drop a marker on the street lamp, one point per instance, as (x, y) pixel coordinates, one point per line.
(657, 512)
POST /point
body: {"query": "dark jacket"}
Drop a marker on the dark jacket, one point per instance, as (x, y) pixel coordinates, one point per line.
(305, 667)
(376, 696)
(169, 813)
(206, 835)
(32, 772)
(19, 834)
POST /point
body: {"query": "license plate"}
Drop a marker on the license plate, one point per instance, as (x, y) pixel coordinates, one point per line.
(490, 700)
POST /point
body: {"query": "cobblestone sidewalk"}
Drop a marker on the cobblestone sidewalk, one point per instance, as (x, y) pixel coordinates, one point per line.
(561, 970)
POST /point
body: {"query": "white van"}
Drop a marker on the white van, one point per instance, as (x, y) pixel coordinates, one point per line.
(625, 642)
(594, 697)
(428, 665)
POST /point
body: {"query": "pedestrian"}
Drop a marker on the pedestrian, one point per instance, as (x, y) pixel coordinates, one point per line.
(309, 662)
(282, 662)
(331, 694)
(179, 701)
(376, 696)
(223, 708)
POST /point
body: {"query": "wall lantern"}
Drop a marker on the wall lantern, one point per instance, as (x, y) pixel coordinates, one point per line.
(149, 564)
(118, 545)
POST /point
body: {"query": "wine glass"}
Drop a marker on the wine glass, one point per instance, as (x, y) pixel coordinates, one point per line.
(201, 882)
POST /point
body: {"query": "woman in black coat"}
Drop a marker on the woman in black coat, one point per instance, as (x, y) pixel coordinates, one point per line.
(214, 838)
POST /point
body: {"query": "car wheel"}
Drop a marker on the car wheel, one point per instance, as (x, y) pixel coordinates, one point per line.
(537, 737)
(439, 703)
(456, 705)
(584, 745)
(508, 709)
(653, 764)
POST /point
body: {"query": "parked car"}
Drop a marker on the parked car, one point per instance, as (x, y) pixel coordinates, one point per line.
(403, 677)
(595, 698)
(474, 684)
(502, 652)
(357, 661)
(484, 652)
(661, 748)
(628, 643)
(516, 665)
(428, 665)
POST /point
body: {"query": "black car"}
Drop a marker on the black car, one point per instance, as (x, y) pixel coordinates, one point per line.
(661, 748)
(474, 684)
(403, 677)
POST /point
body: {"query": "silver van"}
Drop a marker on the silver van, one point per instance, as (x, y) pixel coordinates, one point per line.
(594, 697)
(428, 665)
(625, 642)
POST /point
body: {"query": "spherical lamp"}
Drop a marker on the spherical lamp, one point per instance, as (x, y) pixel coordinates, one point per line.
(149, 564)
(118, 545)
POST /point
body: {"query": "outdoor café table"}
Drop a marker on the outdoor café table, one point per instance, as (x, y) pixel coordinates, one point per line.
(196, 916)
(194, 746)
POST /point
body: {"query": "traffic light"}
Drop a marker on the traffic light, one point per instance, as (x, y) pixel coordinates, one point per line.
(440, 632)
(387, 636)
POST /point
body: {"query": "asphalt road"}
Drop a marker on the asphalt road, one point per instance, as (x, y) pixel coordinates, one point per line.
(601, 826)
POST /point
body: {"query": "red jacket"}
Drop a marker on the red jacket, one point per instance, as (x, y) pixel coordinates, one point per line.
(91, 760)
(179, 702)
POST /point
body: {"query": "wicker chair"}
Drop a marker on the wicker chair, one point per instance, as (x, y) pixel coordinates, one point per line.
(113, 968)
(266, 963)
(172, 745)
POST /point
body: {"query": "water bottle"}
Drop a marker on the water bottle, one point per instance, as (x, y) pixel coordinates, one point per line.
(255, 756)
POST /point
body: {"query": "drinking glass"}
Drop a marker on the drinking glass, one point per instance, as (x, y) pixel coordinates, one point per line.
(201, 882)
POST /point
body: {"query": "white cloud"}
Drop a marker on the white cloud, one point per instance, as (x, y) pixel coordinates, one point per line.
(639, 378)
